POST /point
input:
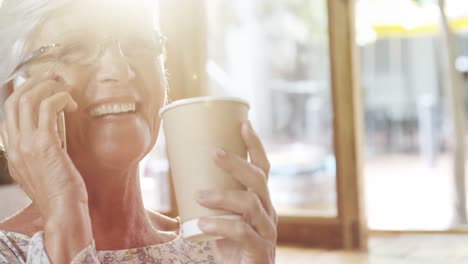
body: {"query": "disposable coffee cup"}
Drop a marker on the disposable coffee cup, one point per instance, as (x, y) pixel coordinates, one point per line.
(194, 128)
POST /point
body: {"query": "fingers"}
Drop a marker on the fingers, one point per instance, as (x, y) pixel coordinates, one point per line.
(235, 230)
(52, 106)
(255, 148)
(30, 101)
(11, 106)
(247, 174)
(12, 103)
(38, 100)
(244, 203)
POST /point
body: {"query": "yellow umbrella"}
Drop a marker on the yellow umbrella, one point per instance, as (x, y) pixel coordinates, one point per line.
(402, 18)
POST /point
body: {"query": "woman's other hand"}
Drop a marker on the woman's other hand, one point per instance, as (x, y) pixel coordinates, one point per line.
(253, 238)
(42, 168)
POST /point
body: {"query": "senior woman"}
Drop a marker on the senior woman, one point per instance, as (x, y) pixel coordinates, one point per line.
(101, 63)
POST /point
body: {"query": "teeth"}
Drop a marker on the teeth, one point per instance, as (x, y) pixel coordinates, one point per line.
(112, 109)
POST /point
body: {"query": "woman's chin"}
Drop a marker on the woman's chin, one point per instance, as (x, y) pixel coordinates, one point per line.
(117, 146)
(109, 157)
(119, 151)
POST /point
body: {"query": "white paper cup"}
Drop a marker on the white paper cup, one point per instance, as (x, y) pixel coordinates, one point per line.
(194, 128)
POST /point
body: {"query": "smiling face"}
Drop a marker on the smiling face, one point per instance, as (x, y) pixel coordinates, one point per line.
(110, 60)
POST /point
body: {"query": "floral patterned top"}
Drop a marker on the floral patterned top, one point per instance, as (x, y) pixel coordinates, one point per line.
(20, 249)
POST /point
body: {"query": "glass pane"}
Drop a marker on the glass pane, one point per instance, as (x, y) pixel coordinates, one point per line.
(408, 168)
(154, 178)
(275, 55)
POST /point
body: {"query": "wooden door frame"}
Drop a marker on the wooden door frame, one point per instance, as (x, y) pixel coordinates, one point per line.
(349, 229)
(348, 122)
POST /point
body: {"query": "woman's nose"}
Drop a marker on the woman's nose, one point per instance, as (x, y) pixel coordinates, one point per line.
(114, 67)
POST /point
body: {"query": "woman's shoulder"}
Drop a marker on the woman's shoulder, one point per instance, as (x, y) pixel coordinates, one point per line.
(163, 222)
(178, 248)
(15, 234)
(26, 221)
(13, 247)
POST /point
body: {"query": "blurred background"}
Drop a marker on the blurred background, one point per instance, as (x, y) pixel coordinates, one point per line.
(275, 54)
(411, 77)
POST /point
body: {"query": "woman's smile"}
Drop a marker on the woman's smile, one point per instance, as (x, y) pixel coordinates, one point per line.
(112, 107)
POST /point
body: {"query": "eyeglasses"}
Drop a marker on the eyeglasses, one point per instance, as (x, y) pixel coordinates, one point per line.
(86, 53)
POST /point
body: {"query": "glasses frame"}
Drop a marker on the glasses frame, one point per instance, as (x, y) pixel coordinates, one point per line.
(48, 47)
(28, 58)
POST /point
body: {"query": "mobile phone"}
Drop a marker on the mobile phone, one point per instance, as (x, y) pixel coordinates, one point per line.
(61, 129)
(60, 117)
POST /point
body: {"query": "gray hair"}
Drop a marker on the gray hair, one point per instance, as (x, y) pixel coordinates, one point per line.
(17, 20)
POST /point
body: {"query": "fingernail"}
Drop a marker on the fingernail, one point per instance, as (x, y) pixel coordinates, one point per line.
(201, 195)
(220, 153)
(204, 224)
(57, 78)
(248, 126)
(52, 76)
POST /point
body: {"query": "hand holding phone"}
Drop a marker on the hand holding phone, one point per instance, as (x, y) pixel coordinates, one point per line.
(35, 142)
(61, 130)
